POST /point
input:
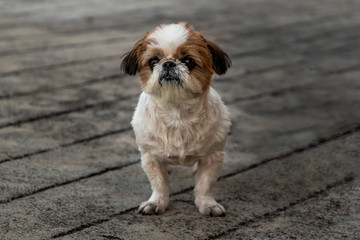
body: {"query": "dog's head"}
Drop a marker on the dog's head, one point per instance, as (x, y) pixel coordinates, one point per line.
(175, 61)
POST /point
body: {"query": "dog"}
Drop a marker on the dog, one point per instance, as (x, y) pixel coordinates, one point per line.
(179, 119)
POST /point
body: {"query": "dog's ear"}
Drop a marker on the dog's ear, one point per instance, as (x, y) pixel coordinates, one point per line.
(130, 63)
(221, 61)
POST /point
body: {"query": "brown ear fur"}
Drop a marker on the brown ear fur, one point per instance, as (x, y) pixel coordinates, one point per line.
(130, 62)
(221, 61)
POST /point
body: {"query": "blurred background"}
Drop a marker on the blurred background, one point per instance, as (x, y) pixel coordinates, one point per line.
(69, 165)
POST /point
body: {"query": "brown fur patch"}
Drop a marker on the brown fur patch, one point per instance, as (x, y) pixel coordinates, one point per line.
(195, 47)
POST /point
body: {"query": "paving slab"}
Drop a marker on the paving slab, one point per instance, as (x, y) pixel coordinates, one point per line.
(331, 214)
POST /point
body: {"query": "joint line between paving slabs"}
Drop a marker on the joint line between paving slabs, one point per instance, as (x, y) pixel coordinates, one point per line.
(106, 170)
(72, 85)
(351, 68)
(62, 46)
(55, 65)
(326, 18)
(111, 237)
(246, 32)
(320, 141)
(97, 222)
(64, 112)
(79, 141)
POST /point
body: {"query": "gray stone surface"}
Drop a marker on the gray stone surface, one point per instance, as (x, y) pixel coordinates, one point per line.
(331, 215)
(250, 196)
(69, 166)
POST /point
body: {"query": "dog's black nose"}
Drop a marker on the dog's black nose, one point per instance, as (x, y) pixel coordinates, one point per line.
(168, 64)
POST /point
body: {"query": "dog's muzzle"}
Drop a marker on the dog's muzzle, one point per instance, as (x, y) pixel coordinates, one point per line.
(169, 73)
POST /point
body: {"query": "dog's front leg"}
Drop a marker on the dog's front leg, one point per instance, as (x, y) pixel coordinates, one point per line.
(158, 176)
(205, 177)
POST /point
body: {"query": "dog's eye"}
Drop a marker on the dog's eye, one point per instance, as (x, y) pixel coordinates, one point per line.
(189, 62)
(153, 61)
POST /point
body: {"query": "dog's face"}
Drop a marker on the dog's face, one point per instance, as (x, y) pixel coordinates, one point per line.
(175, 62)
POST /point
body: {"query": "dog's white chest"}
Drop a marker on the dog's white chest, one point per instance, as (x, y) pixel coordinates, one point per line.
(180, 136)
(180, 144)
(175, 140)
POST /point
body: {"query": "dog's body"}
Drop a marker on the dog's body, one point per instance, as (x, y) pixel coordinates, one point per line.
(179, 118)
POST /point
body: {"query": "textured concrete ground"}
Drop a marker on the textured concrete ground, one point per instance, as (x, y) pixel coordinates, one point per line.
(69, 168)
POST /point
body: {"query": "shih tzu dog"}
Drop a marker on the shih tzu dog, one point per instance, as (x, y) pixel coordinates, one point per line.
(180, 119)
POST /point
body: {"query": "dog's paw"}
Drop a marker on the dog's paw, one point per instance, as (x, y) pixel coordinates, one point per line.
(211, 208)
(150, 208)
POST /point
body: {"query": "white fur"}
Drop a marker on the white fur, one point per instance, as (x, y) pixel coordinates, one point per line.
(169, 37)
(182, 133)
(172, 132)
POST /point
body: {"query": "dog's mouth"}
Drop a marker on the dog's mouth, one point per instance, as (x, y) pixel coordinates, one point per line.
(169, 77)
